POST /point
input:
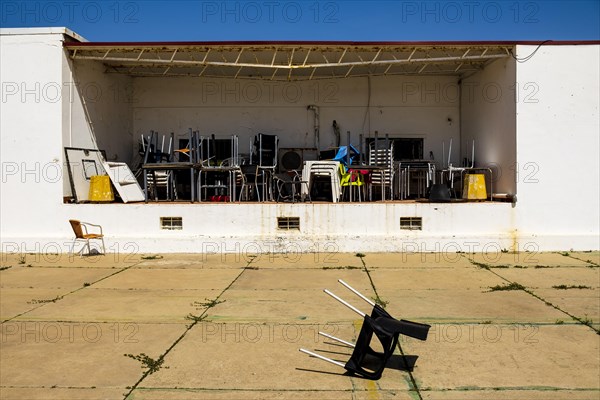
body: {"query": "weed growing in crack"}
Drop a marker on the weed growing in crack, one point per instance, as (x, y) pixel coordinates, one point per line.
(587, 321)
(54, 300)
(565, 287)
(22, 259)
(480, 265)
(343, 267)
(195, 318)
(148, 362)
(510, 286)
(5, 268)
(380, 302)
(207, 304)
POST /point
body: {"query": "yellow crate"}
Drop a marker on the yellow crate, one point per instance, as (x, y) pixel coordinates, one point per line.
(474, 187)
(100, 188)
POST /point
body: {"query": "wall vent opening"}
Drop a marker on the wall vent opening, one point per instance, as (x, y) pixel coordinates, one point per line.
(288, 223)
(411, 223)
(171, 223)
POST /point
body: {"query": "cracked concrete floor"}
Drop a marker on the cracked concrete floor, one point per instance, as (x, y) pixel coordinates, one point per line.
(192, 326)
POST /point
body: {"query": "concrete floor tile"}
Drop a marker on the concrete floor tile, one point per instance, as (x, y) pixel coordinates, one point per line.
(118, 305)
(144, 393)
(58, 393)
(195, 261)
(301, 279)
(501, 356)
(529, 260)
(547, 277)
(252, 357)
(582, 303)
(511, 394)
(285, 306)
(51, 278)
(160, 279)
(590, 257)
(79, 355)
(468, 306)
(259, 349)
(63, 260)
(410, 260)
(15, 301)
(434, 278)
(295, 260)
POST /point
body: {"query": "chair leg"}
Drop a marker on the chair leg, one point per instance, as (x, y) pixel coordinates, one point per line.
(103, 248)
(73, 246)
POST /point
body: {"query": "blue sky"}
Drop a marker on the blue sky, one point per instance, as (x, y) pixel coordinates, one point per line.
(311, 20)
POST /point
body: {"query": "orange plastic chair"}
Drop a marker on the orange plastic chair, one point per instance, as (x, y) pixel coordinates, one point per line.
(82, 234)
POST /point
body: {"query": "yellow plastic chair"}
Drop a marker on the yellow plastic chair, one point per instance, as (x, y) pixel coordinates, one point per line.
(351, 179)
(82, 234)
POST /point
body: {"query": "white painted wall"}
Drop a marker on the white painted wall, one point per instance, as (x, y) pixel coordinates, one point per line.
(402, 106)
(245, 227)
(488, 116)
(558, 132)
(31, 128)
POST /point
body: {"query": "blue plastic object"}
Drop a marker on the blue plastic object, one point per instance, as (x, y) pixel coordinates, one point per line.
(342, 155)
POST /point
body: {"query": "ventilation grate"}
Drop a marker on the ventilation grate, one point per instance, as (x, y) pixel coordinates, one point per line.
(171, 223)
(288, 223)
(411, 223)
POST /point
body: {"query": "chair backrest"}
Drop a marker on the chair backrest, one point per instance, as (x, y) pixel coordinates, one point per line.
(266, 147)
(76, 225)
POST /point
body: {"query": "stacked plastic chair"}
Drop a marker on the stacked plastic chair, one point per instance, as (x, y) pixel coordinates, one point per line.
(364, 361)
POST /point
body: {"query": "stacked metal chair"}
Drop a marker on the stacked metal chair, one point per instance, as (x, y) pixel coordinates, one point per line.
(364, 361)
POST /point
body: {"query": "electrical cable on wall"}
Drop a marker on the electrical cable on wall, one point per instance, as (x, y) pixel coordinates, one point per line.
(529, 57)
(368, 110)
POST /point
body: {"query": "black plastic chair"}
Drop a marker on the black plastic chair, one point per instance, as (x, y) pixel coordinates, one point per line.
(365, 361)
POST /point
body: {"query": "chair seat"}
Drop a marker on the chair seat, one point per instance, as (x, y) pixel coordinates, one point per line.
(93, 236)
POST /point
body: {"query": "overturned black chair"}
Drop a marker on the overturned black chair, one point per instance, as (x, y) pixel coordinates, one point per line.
(365, 361)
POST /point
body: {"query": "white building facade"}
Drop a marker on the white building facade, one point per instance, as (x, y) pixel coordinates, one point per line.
(535, 122)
